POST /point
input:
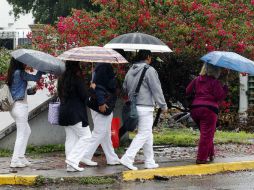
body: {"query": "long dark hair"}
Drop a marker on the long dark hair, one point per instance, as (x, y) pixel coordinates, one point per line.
(14, 65)
(65, 82)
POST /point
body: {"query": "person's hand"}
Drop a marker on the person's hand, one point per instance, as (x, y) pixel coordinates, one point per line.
(164, 111)
(93, 85)
(103, 108)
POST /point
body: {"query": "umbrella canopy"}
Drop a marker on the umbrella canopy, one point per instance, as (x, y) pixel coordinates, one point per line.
(93, 54)
(229, 60)
(137, 41)
(39, 60)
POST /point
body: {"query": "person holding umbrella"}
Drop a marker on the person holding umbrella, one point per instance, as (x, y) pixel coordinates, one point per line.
(103, 84)
(208, 91)
(17, 79)
(149, 93)
(73, 114)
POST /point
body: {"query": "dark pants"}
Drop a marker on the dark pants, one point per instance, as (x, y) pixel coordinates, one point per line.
(206, 119)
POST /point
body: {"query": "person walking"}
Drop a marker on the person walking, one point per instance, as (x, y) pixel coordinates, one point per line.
(149, 93)
(104, 85)
(73, 114)
(17, 79)
(209, 91)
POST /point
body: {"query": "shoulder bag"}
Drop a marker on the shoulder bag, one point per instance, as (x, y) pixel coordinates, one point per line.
(6, 100)
(129, 112)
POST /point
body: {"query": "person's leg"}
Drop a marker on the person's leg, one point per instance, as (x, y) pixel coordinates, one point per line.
(211, 153)
(20, 115)
(207, 129)
(83, 139)
(111, 156)
(98, 134)
(70, 139)
(148, 146)
(144, 133)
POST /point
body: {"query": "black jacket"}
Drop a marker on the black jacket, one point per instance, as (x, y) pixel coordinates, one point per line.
(104, 77)
(73, 108)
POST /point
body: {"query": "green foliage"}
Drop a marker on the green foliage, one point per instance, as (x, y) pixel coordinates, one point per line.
(4, 61)
(5, 153)
(189, 28)
(35, 150)
(187, 137)
(41, 180)
(96, 180)
(31, 149)
(47, 11)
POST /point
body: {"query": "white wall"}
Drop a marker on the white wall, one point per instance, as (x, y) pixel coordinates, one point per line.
(5, 18)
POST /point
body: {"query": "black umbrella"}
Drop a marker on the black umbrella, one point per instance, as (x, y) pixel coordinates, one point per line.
(137, 41)
(39, 60)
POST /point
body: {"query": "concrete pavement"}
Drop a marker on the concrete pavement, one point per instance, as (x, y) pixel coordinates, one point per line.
(53, 166)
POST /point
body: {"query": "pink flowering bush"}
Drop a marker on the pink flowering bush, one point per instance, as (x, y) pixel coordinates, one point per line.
(191, 28)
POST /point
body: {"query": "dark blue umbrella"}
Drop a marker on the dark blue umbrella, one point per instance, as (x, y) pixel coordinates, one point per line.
(229, 60)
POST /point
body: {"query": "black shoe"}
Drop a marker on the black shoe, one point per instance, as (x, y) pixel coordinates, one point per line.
(201, 162)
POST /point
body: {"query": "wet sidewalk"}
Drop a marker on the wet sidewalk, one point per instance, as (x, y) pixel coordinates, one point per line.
(53, 166)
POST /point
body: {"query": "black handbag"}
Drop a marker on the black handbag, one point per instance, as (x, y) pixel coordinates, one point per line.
(129, 112)
(110, 101)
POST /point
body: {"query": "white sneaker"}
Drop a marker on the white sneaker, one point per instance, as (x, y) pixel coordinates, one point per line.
(25, 161)
(128, 165)
(70, 169)
(151, 166)
(114, 163)
(75, 166)
(89, 162)
(17, 164)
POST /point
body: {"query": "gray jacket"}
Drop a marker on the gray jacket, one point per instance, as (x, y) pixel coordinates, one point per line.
(150, 90)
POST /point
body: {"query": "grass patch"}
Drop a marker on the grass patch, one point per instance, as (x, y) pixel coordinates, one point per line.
(35, 150)
(5, 153)
(188, 137)
(31, 149)
(94, 180)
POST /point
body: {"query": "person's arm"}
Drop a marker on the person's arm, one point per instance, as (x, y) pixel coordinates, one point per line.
(30, 77)
(155, 87)
(189, 88)
(100, 95)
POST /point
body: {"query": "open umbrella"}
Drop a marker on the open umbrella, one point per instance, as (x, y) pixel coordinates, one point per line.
(93, 54)
(137, 41)
(229, 60)
(39, 60)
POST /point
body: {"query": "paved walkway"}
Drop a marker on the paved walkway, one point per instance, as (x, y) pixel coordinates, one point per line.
(173, 161)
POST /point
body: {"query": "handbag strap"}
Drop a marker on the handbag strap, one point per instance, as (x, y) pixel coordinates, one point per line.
(141, 79)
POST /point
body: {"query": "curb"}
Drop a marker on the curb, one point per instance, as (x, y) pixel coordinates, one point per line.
(17, 179)
(187, 170)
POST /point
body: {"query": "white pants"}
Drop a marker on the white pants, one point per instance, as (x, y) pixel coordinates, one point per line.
(101, 135)
(19, 113)
(77, 140)
(144, 138)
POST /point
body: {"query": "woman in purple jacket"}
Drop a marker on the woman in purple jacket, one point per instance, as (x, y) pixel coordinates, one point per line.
(209, 91)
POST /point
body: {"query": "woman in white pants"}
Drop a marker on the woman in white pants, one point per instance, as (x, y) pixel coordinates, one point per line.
(103, 82)
(73, 114)
(149, 93)
(101, 134)
(17, 81)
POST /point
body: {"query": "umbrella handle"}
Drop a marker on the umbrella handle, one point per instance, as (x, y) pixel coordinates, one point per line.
(156, 120)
